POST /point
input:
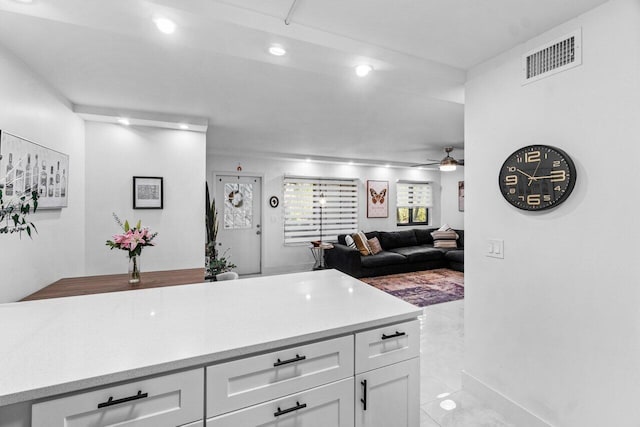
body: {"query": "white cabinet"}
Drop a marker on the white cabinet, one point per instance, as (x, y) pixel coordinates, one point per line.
(330, 405)
(167, 401)
(370, 378)
(252, 380)
(389, 396)
(387, 382)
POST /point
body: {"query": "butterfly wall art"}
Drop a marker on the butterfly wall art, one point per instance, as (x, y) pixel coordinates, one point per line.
(377, 199)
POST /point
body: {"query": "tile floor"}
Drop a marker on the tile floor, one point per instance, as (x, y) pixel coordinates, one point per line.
(442, 402)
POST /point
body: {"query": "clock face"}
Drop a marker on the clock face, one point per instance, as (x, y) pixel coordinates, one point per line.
(537, 177)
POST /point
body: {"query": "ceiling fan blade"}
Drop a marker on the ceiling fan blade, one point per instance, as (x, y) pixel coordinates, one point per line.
(426, 164)
(461, 162)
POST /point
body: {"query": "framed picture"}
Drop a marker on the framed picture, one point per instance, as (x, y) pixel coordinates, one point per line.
(147, 192)
(26, 167)
(377, 199)
(461, 196)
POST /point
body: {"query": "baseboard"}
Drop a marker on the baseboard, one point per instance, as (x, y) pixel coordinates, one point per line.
(271, 271)
(511, 410)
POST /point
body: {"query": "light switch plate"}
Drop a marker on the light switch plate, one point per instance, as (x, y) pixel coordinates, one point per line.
(495, 248)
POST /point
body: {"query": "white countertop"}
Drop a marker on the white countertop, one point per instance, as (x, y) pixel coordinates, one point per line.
(53, 346)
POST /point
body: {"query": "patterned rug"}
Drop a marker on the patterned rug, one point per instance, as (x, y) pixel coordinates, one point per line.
(422, 288)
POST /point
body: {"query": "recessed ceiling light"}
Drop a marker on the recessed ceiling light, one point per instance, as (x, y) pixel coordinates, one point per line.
(184, 126)
(363, 69)
(277, 50)
(124, 121)
(166, 26)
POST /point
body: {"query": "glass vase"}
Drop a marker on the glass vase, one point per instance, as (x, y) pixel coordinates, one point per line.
(134, 269)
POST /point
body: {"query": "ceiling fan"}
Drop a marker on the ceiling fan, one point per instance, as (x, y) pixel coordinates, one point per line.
(447, 164)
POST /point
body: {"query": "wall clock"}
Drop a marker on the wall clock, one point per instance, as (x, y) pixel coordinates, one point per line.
(537, 177)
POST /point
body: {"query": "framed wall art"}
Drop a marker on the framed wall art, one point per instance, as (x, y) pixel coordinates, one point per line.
(461, 196)
(148, 192)
(377, 199)
(26, 167)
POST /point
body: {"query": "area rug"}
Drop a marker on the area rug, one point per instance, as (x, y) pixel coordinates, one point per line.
(422, 288)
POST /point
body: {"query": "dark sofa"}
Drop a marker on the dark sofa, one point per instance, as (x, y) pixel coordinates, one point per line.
(402, 251)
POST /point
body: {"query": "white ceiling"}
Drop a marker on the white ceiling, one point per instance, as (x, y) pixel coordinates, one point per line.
(108, 53)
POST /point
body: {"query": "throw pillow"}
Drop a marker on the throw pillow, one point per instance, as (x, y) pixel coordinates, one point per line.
(374, 244)
(361, 243)
(445, 239)
(349, 241)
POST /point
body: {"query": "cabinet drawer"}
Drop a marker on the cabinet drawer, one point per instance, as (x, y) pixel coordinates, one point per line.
(169, 400)
(245, 382)
(390, 344)
(328, 405)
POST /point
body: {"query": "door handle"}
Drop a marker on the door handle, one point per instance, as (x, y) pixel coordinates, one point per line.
(286, 411)
(111, 401)
(258, 232)
(298, 358)
(397, 334)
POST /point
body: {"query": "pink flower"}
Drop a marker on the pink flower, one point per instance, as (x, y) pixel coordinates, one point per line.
(123, 240)
(136, 239)
(133, 239)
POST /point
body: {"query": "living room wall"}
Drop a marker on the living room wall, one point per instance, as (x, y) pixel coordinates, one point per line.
(114, 155)
(449, 198)
(30, 108)
(552, 329)
(278, 258)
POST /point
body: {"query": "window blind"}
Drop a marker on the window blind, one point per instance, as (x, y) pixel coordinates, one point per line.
(304, 215)
(414, 194)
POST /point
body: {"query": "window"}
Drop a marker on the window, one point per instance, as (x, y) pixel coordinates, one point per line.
(413, 203)
(305, 216)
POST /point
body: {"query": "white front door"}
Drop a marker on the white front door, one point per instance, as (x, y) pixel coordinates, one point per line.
(238, 201)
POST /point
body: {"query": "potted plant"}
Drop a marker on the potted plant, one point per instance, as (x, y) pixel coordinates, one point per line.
(214, 263)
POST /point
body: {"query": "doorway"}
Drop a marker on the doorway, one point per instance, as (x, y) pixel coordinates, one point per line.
(240, 233)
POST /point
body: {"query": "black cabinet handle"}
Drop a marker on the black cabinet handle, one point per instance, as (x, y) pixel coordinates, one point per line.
(397, 334)
(286, 411)
(111, 402)
(285, 362)
(364, 394)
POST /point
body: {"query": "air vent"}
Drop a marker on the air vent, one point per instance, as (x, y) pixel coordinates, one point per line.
(556, 56)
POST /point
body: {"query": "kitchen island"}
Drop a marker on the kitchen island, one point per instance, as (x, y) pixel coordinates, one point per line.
(56, 353)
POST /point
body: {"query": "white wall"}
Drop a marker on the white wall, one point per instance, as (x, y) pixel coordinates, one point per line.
(31, 109)
(555, 326)
(115, 154)
(449, 199)
(278, 258)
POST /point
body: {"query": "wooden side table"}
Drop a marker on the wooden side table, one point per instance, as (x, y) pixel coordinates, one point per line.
(72, 286)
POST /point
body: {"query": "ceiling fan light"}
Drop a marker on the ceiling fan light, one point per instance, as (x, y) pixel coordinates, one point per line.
(448, 164)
